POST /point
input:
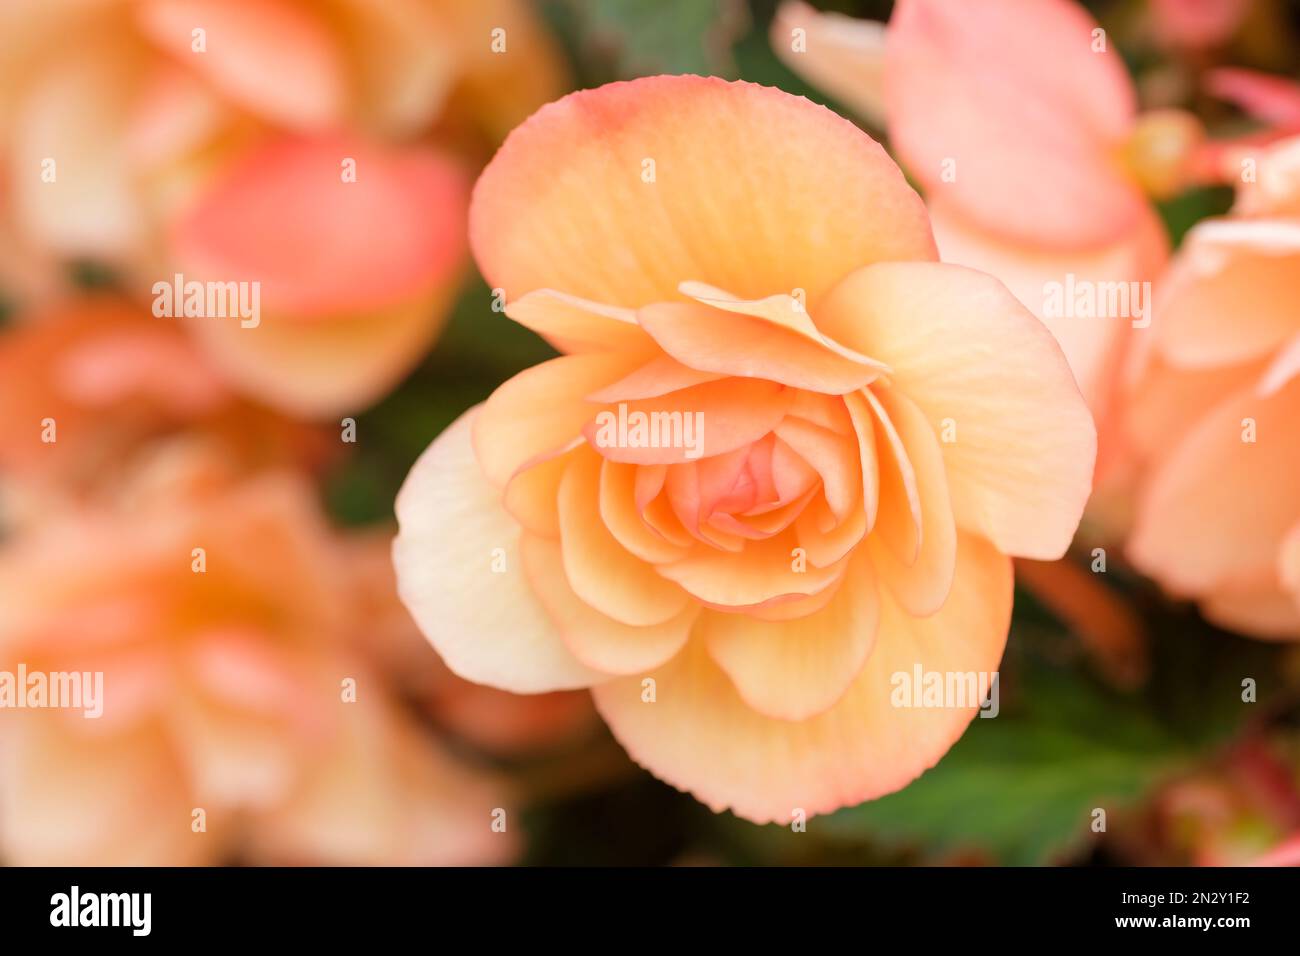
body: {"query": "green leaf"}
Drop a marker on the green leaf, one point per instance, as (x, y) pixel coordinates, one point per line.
(669, 36)
(1022, 786)
(1187, 209)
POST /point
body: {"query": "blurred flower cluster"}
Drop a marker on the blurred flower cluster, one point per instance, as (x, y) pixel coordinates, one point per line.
(237, 301)
(265, 696)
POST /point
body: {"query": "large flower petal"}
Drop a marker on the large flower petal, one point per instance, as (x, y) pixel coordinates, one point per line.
(699, 735)
(1022, 443)
(570, 201)
(797, 668)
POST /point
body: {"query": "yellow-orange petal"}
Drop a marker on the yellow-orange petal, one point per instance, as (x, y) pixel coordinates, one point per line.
(598, 641)
(576, 325)
(623, 518)
(601, 571)
(1017, 438)
(532, 495)
(795, 669)
(835, 458)
(620, 193)
(702, 421)
(700, 736)
(541, 410)
(659, 376)
(728, 343)
(920, 585)
(453, 535)
(764, 571)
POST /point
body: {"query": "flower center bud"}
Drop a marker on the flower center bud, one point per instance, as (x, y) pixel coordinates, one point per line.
(1160, 151)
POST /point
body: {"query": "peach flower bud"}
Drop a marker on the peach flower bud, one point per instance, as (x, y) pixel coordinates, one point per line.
(848, 440)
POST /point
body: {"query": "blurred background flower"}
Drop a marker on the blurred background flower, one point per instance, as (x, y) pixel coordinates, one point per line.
(323, 152)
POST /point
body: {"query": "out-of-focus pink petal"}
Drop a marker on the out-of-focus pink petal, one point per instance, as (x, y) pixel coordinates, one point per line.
(1259, 608)
(175, 114)
(1214, 513)
(75, 110)
(1273, 99)
(139, 814)
(382, 792)
(1010, 100)
(842, 55)
(288, 214)
(271, 57)
(1094, 346)
(1229, 267)
(330, 366)
(1197, 24)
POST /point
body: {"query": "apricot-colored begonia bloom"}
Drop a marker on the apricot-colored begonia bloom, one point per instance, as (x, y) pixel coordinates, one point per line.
(738, 603)
(90, 384)
(1216, 409)
(269, 141)
(1020, 123)
(220, 615)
